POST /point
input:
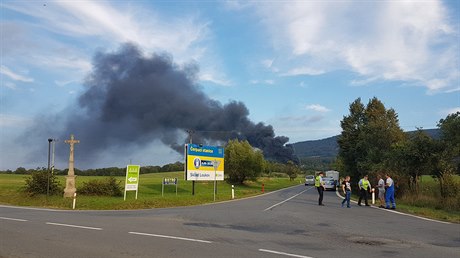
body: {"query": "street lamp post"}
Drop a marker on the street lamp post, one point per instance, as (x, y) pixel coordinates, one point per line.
(48, 171)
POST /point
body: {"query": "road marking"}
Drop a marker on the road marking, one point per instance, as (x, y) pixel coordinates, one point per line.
(285, 254)
(13, 219)
(171, 237)
(72, 226)
(398, 212)
(273, 206)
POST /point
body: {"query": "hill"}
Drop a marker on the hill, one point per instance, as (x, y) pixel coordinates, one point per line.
(329, 147)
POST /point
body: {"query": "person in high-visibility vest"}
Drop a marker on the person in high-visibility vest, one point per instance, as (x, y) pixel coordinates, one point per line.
(364, 187)
(319, 184)
(390, 193)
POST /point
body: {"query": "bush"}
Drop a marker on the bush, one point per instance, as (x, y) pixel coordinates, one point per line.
(108, 187)
(37, 183)
(449, 186)
(242, 162)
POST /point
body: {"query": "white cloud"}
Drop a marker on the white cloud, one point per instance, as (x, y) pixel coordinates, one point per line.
(64, 83)
(210, 77)
(450, 111)
(301, 128)
(267, 63)
(13, 121)
(411, 41)
(317, 108)
(14, 76)
(302, 71)
(236, 5)
(9, 85)
(270, 82)
(83, 25)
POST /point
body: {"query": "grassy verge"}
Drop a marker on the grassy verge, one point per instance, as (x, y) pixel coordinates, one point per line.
(149, 195)
(425, 206)
(450, 216)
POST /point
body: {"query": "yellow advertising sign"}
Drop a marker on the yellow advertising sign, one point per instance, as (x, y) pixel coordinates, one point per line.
(204, 163)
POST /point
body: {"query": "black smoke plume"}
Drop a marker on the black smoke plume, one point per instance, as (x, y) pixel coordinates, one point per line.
(131, 99)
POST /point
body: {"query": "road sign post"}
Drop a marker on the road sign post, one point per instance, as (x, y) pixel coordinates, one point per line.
(215, 164)
(169, 181)
(132, 179)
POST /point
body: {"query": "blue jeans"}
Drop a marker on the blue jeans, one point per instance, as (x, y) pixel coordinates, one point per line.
(347, 198)
(390, 198)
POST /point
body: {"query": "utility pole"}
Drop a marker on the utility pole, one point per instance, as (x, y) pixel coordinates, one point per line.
(48, 171)
(190, 134)
(52, 155)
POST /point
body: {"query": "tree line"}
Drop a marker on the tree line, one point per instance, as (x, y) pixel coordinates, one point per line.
(110, 171)
(372, 142)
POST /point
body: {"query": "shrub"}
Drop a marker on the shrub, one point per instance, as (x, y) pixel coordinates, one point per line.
(242, 162)
(37, 183)
(108, 187)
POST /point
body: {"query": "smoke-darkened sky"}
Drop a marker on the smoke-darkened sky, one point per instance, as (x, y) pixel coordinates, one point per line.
(131, 100)
(295, 65)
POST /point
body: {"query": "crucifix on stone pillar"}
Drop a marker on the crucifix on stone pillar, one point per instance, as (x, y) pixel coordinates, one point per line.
(70, 178)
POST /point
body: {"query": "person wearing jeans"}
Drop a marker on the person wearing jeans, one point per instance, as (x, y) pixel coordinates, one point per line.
(346, 188)
(319, 184)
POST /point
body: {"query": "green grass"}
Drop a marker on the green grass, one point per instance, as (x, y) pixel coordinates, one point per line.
(428, 202)
(149, 195)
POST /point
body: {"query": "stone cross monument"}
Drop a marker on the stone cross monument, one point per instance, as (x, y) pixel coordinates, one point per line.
(70, 178)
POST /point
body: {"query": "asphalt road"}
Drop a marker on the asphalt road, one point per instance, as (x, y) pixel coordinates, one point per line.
(287, 223)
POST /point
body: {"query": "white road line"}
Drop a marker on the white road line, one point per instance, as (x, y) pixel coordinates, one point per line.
(72, 226)
(5, 218)
(171, 237)
(285, 254)
(398, 212)
(273, 206)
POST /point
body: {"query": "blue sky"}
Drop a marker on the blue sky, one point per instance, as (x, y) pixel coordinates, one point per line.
(296, 65)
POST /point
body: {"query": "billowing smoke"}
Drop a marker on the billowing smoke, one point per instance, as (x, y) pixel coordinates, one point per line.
(131, 99)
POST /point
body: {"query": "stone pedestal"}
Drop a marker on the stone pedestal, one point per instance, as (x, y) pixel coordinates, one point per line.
(69, 186)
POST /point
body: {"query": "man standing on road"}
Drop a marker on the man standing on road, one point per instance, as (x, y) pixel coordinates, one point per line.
(390, 193)
(319, 184)
(364, 186)
(346, 188)
(381, 187)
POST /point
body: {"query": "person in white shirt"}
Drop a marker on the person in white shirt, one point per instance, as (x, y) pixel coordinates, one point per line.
(390, 193)
(381, 187)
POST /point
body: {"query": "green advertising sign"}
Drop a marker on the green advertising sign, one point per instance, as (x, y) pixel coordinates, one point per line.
(132, 178)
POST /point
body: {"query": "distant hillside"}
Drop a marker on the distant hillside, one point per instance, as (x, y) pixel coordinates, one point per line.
(324, 148)
(328, 147)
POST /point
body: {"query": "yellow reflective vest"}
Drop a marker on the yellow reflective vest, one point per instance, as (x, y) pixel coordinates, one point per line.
(318, 181)
(365, 184)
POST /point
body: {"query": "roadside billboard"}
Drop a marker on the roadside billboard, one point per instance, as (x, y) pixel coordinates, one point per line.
(201, 162)
(132, 178)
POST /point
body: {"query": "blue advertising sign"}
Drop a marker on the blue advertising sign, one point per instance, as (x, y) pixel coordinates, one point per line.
(204, 163)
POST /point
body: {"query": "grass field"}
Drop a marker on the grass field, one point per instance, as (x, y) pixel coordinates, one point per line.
(149, 195)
